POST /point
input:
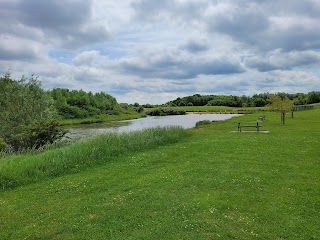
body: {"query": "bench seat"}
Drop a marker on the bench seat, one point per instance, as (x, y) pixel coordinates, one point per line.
(255, 125)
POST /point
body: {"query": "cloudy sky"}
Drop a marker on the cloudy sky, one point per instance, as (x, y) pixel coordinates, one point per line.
(151, 51)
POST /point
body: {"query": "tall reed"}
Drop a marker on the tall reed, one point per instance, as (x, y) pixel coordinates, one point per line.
(22, 169)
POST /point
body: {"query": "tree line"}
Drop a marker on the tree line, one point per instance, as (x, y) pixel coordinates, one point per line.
(81, 104)
(257, 100)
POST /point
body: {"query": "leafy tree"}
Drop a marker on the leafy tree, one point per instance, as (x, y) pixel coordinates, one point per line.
(313, 97)
(300, 99)
(259, 102)
(24, 105)
(282, 105)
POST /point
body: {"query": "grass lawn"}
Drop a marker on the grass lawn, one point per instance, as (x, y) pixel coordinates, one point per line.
(212, 184)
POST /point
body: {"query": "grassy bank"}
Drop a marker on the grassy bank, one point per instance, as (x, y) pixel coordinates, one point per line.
(22, 169)
(101, 118)
(214, 184)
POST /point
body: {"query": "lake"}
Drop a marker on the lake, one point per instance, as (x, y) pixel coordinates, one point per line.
(185, 121)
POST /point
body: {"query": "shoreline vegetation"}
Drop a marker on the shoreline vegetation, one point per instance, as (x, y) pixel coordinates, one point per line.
(100, 119)
(21, 169)
(170, 184)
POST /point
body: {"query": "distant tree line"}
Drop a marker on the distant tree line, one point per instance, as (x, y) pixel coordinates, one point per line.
(80, 104)
(257, 100)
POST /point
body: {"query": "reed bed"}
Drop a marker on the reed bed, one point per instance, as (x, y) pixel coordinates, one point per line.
(21, 169)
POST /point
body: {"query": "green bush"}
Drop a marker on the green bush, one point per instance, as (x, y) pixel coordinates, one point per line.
(190, 104)
(35, 135)
(203, 122)
(165, 112)
(3, 145)
(72, 112)
(26, 114)
(92, 121)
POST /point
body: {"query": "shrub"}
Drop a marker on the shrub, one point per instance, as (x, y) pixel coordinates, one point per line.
(190, 104)
(72, 112)
(26, 114)
(203, 122)
(3, 145)
(35, 135)
(92, 121)
(165, 111)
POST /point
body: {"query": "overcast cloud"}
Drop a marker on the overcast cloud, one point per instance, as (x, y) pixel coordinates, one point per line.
(151, 51)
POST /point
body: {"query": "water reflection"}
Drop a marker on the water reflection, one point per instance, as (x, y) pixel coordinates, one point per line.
(185, 121)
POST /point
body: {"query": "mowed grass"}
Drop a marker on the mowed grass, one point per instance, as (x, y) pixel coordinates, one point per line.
(214, 184)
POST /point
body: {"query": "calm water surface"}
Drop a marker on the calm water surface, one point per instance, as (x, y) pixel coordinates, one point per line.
(185, 121)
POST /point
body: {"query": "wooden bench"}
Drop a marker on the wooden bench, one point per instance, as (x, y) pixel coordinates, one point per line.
(255, 125)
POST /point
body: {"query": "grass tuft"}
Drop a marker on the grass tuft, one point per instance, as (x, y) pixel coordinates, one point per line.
(203, 123)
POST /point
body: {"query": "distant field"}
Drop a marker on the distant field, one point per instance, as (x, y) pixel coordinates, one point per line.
(212, 184)
(219, 109)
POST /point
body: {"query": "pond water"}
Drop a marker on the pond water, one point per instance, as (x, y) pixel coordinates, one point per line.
(185, 121)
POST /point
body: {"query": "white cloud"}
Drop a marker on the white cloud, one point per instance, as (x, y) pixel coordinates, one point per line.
(154, 51)
(284, 60)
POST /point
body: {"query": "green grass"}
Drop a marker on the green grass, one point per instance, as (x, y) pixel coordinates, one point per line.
(22, 169)
(317, 106)
(203, 123)
(214, 184)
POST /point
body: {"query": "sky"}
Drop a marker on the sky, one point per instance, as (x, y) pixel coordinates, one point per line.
(151, 51)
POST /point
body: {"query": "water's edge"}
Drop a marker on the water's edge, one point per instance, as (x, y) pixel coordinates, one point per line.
(185, 121)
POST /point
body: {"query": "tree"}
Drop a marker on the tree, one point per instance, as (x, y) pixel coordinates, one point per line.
(80, 104)
(313, 97)
(259, 102)
(25, 111)
(282, 105)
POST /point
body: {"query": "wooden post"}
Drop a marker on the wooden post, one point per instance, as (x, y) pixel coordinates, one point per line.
(283, 116)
